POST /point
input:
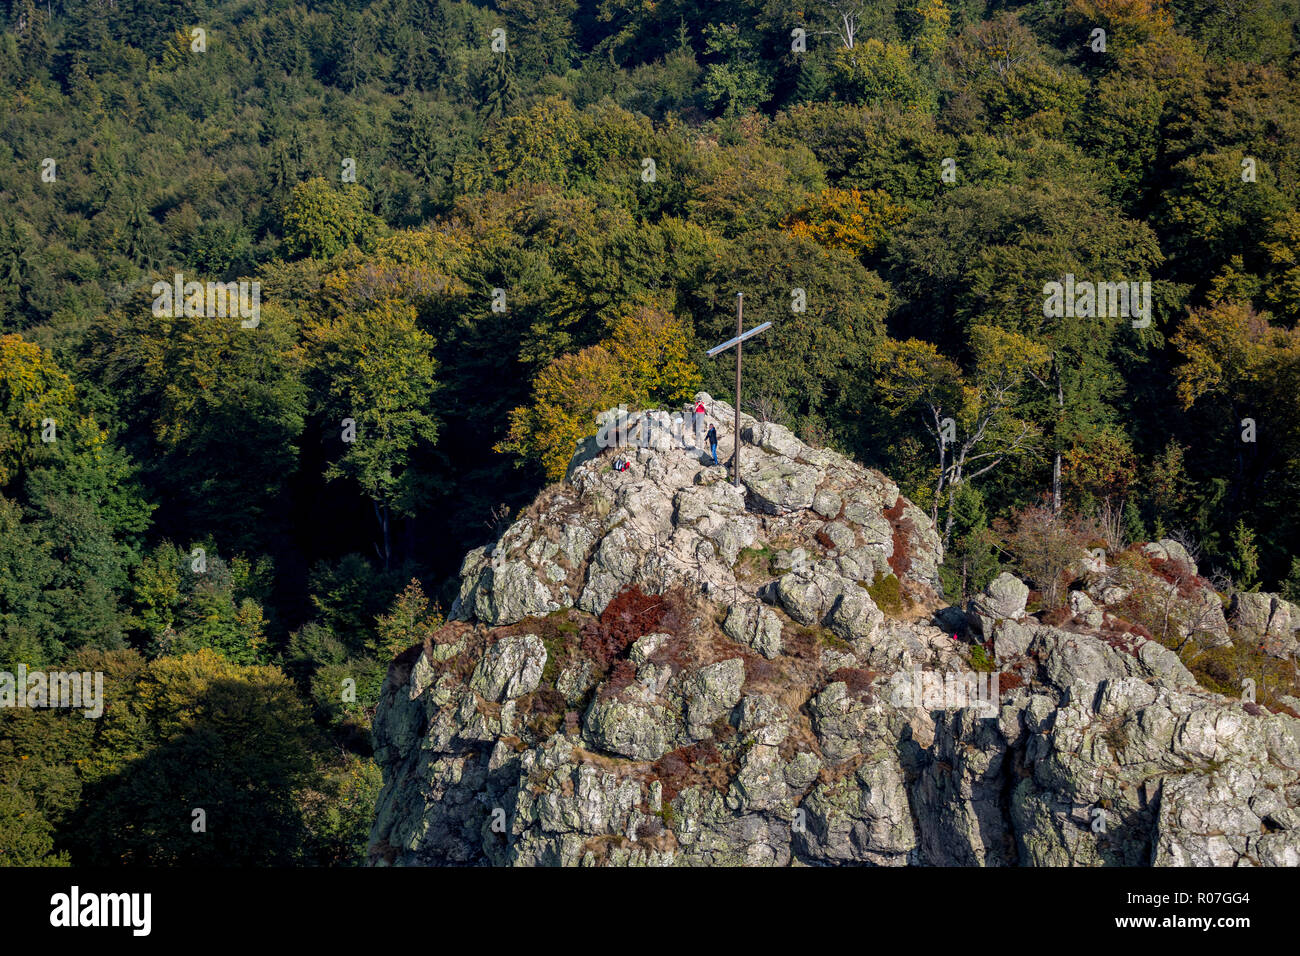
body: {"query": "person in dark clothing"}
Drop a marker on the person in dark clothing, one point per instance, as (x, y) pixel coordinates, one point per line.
(713, 443)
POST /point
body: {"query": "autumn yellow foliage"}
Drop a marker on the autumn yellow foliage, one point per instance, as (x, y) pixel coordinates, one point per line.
(647, 360)
(1229, 349)
(853, 219)
(32, 389)
(1127, 22)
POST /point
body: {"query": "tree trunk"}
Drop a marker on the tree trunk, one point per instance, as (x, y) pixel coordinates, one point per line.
(1056, 457)
(947, 524)
(386, 549)
(938, 484)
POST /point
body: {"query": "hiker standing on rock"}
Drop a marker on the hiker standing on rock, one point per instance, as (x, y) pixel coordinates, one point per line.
(713, 443)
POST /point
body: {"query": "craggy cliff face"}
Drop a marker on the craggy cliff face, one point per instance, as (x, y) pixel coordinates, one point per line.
(653, 666)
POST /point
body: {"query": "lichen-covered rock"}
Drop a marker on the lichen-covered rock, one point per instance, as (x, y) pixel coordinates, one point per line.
(1003, 599)
(511, 592)
(779, 485)
(827, 504)
(709, 693)
(808, 596)
(638, 728)
(755, 625)
(855, 617)
(654, 667)
(774, 438)
(510, 667)
(862, 818)
(1268, 618)
(1167, 549)
(1082, 607)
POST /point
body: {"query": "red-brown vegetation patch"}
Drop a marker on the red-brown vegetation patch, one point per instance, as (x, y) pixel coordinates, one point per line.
(1009, 680)
(1178, 573)
(801, 642)
(1118, 626)
(857, 679)
(621, 676)
(473, 639)
(694, 638)
(722, 730)
(1057, 616)
(698, 765)
(1123, 636)
(758, 670)
(900, 562)
(832, 773)
(546, 701)
(630, 615)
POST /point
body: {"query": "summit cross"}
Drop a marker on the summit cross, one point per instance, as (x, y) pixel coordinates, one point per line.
(740, 338)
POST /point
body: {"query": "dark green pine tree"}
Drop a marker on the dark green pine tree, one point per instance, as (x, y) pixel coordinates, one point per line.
(812, 81)
(429, 20)
(33, 41)
(12, 268)
(138, 238)
(498, 89)
(282, 170)
(415, 136)
(354, 52)
(414, 69)
(971, 560)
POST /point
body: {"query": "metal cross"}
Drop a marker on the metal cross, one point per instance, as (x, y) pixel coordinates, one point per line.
(740, 337)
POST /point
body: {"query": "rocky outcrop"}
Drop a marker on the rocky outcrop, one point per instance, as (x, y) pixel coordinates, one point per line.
(673, 519)
(1157, 582)
(1268, 618)
(1003, 599)
(654, 667)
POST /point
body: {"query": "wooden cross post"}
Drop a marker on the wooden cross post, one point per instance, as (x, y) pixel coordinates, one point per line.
(740, 337)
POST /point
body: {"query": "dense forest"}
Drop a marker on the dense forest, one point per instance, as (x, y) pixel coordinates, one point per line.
(474, 225)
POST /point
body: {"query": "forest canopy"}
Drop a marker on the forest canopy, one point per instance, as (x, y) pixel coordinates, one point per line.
(472, 226)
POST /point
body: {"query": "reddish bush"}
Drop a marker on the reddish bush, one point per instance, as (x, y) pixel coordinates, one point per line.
(1178, 573)
(622, 675)
(1057, 616)
(547, 701)
(857, 679)
(900, 562)
(1009, 680)
(801, 642)
(1046, 544)
(1117, 625)
(632, 614)
(685, 767)
(1122, 640)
